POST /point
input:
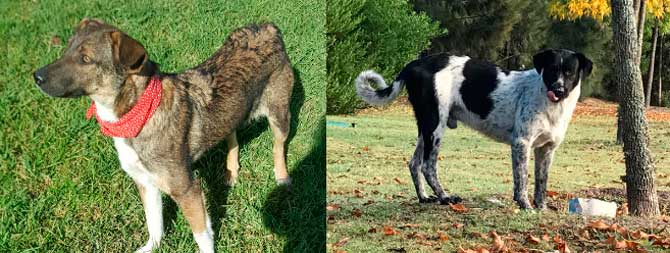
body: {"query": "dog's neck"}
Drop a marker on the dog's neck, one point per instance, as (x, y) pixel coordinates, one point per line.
(111, 108)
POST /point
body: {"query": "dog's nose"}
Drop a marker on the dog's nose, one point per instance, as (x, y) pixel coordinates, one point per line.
(39, 77)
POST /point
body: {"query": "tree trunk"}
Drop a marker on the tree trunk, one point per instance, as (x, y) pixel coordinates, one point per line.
(639, 179)
(660, 72)
(640, 15)
(640, 29)
(650, 73)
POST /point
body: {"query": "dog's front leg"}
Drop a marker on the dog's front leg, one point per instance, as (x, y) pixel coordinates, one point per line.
(520, 152)
(543, 158)
(153, 210)
(188, 194)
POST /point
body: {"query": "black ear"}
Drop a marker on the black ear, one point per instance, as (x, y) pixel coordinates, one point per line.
(585, 65)
(542, 59)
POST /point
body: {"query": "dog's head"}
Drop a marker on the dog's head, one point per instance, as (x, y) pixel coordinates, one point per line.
(561, 71)
(97, 61)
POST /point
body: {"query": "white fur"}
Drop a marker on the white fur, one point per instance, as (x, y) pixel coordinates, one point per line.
(515, 93)
(369, 94)
(131, 164)
(205, 241)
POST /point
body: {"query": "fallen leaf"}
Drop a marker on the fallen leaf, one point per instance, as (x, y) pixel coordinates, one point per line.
(459, 208)
(599, 225)
(532, 239)
(398, 180)
(557, 239)
(616, 244)
(56, 41)
(457, 225)
(390, 231)
(341, 242)
(551, 194)
(546, 237)
(442, 237)
(637, 235)
(498, 243)
(357, 212)
(366, 149)
(619, 229)
(370, 202)
(332, 207)
(562, 247)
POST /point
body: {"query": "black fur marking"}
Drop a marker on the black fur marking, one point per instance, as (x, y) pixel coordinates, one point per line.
(418, 76)
(481, 78)
(384, 92)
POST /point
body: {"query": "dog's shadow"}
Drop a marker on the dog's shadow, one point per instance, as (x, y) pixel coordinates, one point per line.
(211, 166)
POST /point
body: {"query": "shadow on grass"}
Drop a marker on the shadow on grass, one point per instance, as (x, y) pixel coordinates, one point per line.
(298, 213)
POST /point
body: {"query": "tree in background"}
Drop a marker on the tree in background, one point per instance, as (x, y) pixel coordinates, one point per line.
(370, 34)
(639, 179)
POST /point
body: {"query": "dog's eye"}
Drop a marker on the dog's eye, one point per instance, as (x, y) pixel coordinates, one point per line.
(86, 59)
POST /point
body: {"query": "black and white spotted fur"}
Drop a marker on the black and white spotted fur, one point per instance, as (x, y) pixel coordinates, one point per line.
(529, 110)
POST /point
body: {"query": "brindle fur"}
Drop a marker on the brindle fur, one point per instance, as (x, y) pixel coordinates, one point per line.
(248, 77)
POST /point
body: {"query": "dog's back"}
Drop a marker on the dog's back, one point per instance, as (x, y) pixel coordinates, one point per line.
(249, 75)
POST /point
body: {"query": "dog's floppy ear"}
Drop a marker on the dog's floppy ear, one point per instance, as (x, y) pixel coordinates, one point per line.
(89, 23)
(127, 52)
(585, 65)
(542, 59)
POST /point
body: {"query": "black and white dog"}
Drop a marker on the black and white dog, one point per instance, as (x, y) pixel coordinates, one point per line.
(526, 109)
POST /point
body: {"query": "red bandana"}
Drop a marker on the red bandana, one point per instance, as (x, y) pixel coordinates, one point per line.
(132, 122)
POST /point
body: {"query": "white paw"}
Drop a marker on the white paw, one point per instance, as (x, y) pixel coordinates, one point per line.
(147, 248)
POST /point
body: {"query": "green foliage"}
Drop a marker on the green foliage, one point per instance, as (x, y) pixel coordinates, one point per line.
(370, 34)
(61, 186)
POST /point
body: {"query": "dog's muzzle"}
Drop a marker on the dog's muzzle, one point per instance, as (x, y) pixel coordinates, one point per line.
(556, 93)
(40, 77)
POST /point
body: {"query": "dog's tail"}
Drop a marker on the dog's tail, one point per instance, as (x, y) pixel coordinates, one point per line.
(381, 96)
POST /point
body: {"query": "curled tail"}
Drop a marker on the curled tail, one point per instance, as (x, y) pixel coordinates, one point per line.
(381, 96)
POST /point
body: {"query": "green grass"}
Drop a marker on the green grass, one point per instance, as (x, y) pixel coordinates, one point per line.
(363, 162)
(61, 187)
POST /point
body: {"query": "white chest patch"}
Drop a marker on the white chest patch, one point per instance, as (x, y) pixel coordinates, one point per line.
(130, 161)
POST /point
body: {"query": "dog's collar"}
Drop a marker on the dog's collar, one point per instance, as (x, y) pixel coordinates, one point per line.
(132, 122)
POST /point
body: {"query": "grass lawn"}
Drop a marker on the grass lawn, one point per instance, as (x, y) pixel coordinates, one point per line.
(369, 186)
(61, 186)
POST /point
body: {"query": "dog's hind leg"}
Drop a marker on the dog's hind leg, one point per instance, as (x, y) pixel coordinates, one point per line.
(232, 160)
(543, 158)
(279, 116)
(432, 144)
(280, 129)
(417, 176)
(153, 210)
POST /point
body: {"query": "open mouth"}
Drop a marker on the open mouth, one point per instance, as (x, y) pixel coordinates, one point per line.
(552, 96)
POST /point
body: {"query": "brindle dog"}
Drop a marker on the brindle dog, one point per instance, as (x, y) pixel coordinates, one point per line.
(248, 77)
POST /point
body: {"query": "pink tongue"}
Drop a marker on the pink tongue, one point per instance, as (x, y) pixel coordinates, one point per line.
(552, 96)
